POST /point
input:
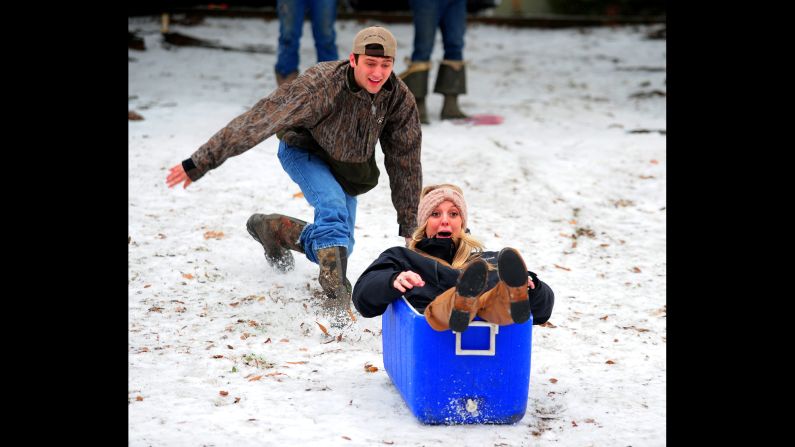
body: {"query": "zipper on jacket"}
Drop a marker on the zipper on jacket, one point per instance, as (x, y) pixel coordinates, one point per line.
(373, 111)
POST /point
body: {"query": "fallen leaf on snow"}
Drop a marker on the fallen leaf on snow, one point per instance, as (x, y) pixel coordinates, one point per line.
(603, 318)
(254, 378)
(553, 380)
(562, 268)
(213, 234)
(187, 276)
(610, 362)
(370, 368)
(322, 328)
(548, 324)
(635, 270)
(139, 398)
(223, 393)
(298, 195)
(622, 203)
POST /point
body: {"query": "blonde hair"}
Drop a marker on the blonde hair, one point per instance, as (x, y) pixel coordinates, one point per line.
(466, 244)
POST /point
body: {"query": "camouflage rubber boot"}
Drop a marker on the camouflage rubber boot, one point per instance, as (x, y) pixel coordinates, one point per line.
(468, 288)
(333, 262)
(416, 79)
(285, 79)
(451, 82)
(278, 234)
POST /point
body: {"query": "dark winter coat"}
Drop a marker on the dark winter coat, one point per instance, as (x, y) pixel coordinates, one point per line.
(374, 290)
(326, 112)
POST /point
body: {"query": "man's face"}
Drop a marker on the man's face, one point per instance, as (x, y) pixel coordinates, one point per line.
(371, 72)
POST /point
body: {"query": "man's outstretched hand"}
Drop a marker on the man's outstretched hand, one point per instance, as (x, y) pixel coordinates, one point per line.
(177, 175)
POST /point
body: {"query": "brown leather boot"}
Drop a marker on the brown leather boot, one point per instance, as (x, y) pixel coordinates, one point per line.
(513, 273)
(333, 262)
(285, 79)
(468, 288)
(278, 234)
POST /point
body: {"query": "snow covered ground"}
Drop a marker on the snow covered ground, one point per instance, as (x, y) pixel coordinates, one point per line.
(224, 351)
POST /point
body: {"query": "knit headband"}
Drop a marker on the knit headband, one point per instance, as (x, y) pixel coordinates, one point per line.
(432, 199)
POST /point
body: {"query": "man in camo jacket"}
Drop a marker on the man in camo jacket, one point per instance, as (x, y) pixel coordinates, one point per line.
(328, 120)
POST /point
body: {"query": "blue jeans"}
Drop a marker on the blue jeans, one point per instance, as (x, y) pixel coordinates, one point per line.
(335, 211)
(322, 13)
(450, 16)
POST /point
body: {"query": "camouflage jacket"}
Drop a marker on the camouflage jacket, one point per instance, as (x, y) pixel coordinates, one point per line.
(325, 111)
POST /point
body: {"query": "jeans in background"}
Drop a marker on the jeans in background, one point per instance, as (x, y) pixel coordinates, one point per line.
(448, 15)
(323, 14)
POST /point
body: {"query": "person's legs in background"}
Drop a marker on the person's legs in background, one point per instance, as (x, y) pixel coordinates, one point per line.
(323, 14)
(291, 25)
(452, 23)
(451, 80)
(426, 15)
(426, 18)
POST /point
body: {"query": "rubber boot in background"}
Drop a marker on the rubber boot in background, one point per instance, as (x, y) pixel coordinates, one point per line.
(416, 79)
(451, 82)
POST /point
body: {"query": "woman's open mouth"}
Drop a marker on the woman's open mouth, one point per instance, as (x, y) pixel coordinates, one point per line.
(444, 234)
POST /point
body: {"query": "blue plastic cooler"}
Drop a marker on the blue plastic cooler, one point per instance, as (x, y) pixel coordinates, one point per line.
(479, 376)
